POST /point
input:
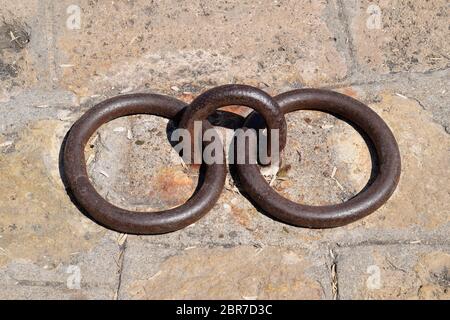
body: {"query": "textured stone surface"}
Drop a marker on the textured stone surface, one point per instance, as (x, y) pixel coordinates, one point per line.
(429, 90)
(325, 145)
(27, 55)
(198, 44)
(17, 65)
(398, 36)
(45, 242)
(39, 222)
(89, 274)
(424, 147)
(50, 74)
(243, 272)
(394, 272)
(149, 176)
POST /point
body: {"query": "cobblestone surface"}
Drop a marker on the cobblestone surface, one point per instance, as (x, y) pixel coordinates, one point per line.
(392, 55)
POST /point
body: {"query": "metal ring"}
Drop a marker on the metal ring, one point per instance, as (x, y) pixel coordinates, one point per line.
(236, 94)
(117, 218)
(361, 205)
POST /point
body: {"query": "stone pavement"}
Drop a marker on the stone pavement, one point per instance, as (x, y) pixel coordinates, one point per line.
(59, 58)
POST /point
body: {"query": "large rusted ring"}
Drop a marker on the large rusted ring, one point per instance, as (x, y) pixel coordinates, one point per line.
(237, 94)
(364, 203)
(117, 218)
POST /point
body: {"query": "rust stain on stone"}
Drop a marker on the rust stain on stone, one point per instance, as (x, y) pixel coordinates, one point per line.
(240, 110)
(187, 97)
(172, 186)
(349, 91)
(242, 216)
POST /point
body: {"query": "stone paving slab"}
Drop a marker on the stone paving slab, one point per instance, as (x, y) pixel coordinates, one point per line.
(45, 242)
(159, 45)
(242, 272)
(26, 47)
(52, 70)
(89, 274)
(398, 36)
(34, 105)
(429, 90)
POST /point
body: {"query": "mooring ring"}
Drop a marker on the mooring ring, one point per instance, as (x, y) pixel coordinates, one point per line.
(361, 205)
(111, 216)
(237, 94)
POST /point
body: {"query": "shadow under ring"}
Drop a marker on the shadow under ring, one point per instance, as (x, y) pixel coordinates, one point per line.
(329, 216)
(111, 216)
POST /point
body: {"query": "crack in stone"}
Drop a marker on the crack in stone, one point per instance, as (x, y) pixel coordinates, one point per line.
(120, 270)
(369, 243)
(334, 274)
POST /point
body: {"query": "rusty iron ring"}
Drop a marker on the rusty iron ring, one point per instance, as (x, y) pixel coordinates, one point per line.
(361, 205)
(237, 94)
(74, 169)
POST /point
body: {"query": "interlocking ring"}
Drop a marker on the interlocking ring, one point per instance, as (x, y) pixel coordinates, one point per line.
(113, 217)
(269, 112)
(336, 215)
(235, 94)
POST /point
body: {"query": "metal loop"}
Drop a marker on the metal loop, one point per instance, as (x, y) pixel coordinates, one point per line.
(235, 94)
(112, 216)
(336, 215)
